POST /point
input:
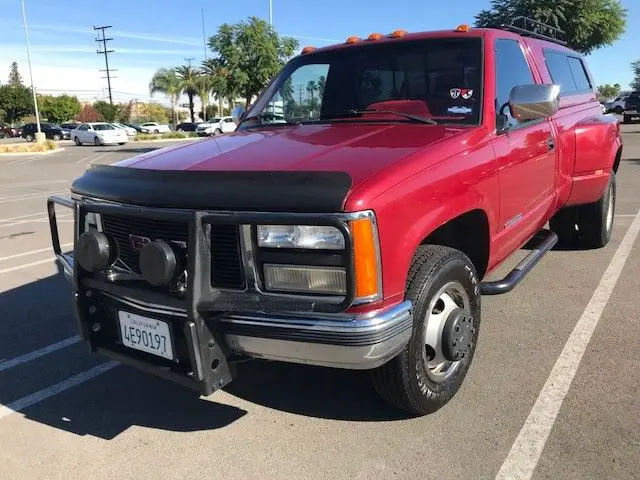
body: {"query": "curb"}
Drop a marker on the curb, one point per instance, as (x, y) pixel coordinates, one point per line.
(24, 154)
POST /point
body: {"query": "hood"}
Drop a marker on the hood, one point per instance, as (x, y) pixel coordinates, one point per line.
(359, 149)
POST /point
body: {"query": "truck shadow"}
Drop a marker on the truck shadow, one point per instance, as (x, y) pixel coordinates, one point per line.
(40, 313)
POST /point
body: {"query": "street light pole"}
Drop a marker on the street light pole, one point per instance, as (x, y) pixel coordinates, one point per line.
(270, 12)
(33, 88)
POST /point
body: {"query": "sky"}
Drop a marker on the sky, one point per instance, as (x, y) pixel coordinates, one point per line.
(150, 34)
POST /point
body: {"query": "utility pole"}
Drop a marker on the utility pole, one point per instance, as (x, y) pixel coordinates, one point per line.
(204, 38)
(188, 60)
(39, 135)
(106, 53)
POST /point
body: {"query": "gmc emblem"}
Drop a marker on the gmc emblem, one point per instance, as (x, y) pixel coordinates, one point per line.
(137, 242)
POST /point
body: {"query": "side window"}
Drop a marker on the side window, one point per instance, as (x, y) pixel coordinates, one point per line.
(560, 71)
(512, 69)
(579, 74)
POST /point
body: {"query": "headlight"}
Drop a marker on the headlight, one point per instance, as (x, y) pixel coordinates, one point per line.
(300, 236)
(305, 279)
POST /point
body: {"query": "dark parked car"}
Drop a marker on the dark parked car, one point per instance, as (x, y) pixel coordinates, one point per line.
(134, 125)
(7, 130)
(51, 131)
(187, 126)
(632, 107)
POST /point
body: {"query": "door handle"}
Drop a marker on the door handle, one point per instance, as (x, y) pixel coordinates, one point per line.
(551, 143)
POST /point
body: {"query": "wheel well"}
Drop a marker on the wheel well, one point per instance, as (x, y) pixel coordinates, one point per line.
(616, 162)
(468, 233)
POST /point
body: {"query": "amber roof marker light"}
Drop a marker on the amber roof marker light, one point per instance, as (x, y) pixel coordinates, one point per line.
(308, 49)
(463, 28)
(353, 39)
(375, 36)
(398, 34)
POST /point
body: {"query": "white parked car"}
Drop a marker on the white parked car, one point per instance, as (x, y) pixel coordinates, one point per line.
(617, 105)
(154, 127)
(98, 133)
(131, 132)
(216, 126)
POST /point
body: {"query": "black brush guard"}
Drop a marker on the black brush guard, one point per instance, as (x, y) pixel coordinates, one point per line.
(201, 354)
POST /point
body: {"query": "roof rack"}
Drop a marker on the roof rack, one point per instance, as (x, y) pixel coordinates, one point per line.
(529, 27)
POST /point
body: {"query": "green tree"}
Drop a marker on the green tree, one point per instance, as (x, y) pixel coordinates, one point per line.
(218, 75)
(589, 24)
(322, 81)
(14, 75)
(59, 109)
(252, 53)
(203, 89)
(152, 112)
(635, 84)
(16, 101)
(108, 112)
(167, 82)
(188, 76)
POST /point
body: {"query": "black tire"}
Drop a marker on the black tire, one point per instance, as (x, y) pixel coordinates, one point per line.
(217, 132)
(597, 218)
(121, 143)
(77, 141)
(406, 381)
(156, 132)
(587, 226)
(96, 141)
(28, 137)
(626, 119)
(618, 110)
(57, 137)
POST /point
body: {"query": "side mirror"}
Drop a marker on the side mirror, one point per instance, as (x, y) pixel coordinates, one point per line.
(237, 113)
(533, 102)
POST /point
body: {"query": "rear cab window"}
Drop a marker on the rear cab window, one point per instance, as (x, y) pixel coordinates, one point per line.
(568, 71)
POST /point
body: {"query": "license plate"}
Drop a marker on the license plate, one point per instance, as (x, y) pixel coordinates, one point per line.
(146, 334)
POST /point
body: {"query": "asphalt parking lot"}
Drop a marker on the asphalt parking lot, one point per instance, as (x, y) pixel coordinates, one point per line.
(552, 392)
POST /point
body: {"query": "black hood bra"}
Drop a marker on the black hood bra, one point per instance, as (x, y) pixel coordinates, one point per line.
(303, 192)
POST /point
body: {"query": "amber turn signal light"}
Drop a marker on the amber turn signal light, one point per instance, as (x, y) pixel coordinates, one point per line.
(365, 258)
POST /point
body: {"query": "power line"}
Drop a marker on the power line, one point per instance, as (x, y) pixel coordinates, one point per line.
(106, 53)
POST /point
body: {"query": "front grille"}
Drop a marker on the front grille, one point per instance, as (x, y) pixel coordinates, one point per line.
(226, 263)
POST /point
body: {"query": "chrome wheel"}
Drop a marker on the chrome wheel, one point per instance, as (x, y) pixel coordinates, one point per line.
(610, 201)
(448, 332)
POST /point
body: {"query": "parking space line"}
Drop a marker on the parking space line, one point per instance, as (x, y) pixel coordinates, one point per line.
(48, 392)
(26, 265)
(41, 218)
(525, 452)
(29, 196)
(27, 357)
(32, 252)
(30, 184)
(20, 217)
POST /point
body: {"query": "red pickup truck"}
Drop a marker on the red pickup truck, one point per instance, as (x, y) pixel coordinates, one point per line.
(352, 218)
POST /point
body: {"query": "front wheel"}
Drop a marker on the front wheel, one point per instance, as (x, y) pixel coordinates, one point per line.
(28, 137)
(56, 137)
(156, 131)
(444, 288)
(217, 132)
(77, 141)
(626, 119)
(96, 142)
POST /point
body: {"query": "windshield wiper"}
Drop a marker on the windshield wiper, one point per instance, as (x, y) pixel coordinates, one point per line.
(415, 118)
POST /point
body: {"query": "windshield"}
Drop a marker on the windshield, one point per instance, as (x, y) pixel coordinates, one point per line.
(103, 127)
(439, 79)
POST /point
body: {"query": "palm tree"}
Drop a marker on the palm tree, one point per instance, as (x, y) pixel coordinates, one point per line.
(167, 82)
(218, 75)
(311, 88)
(203, 87)
(188, 82)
